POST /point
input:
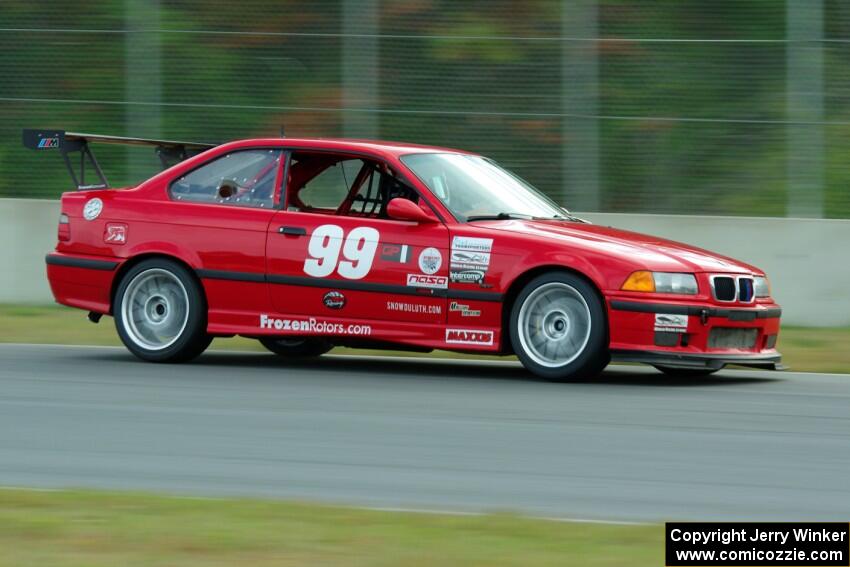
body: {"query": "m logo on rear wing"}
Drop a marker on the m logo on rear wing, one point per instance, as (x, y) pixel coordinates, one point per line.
(170, 152)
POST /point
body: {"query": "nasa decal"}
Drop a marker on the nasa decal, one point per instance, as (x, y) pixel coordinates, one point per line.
(92, 209)
(430, 261)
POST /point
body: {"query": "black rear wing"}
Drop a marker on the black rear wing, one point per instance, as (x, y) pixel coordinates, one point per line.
(169, 152)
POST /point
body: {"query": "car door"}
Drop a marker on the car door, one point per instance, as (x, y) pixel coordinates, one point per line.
(221, 211)
(354, 265)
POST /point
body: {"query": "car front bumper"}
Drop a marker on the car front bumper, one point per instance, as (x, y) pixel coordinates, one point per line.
(699, 361)
(635, 334)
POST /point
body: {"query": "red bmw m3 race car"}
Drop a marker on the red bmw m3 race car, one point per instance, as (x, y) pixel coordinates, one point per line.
(305, 244)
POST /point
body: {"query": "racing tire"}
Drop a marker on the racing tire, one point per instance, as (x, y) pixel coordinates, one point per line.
(558, 328)
(686, 372)
(160, 312)
(296, 347)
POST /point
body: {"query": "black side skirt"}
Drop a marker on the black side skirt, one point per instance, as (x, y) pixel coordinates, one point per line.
(87, 263)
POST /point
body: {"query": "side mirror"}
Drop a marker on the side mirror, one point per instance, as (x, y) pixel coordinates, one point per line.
(406, 210)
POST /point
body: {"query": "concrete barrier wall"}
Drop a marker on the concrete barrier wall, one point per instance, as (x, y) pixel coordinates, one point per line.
(27, 233)
(807, 260)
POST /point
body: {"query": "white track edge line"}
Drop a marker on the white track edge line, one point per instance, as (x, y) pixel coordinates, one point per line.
(398, 358)
(395, 509)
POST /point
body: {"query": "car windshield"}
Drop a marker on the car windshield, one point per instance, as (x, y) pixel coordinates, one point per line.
(476, 188)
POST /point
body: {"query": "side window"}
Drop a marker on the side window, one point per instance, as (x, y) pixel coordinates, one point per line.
(328, 189)
(327, 183)
(241, 178)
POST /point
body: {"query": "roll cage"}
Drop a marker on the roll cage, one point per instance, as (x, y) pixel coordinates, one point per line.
(368, 195)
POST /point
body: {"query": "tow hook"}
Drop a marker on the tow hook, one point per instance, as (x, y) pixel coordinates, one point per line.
(95, 317)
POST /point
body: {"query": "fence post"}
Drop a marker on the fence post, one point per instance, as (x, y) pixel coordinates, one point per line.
(360, 63)
(142, 80)
(580, 103)
(804, 91)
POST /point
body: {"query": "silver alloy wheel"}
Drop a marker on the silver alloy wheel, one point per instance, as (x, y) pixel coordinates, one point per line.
(155, 309)
(554, 324)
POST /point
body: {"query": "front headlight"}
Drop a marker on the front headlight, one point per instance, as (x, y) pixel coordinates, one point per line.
(661, 282)
(761, 286)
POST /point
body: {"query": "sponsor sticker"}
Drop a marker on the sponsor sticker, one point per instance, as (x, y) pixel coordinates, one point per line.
(470, 259)
(334, 300)
(464, 309)
(430, 261)
(472, 244)
(420, 308)
(48, 143)
(423, 280)
(461, 259)
(92, 209)
(115, 233)
(395, 253)
(671, 323)
(312, 326)
(468, 337)
(467, 276)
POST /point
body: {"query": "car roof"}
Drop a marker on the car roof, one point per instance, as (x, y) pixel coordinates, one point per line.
(385, 148)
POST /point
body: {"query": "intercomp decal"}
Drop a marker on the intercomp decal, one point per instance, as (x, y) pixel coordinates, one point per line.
(312, 326)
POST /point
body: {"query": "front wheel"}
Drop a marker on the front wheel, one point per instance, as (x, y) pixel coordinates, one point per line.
(558, 327)
(296, 347)
(160, 312)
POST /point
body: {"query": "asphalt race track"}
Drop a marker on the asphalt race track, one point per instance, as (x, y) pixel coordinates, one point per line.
(632, 445)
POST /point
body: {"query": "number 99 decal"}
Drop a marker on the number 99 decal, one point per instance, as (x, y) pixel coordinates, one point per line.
(358, 251)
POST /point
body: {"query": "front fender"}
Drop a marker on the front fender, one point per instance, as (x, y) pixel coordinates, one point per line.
(604, 272)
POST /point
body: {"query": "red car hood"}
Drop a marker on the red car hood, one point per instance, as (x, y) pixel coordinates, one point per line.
(650, 252)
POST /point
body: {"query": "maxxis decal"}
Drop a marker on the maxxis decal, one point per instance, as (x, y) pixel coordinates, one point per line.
(469, 337)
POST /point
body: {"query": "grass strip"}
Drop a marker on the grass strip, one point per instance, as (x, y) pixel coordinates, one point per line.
(75, 528)
(804, 349)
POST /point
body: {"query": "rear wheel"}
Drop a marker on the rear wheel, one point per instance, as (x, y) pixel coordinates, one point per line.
(558, 327)
(686, 372)
(296, 347)
(160, 312)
